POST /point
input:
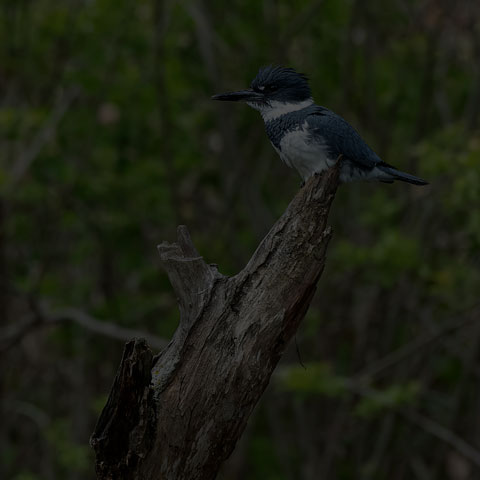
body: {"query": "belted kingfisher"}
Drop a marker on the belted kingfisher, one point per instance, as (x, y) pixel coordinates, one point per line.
(309, 137)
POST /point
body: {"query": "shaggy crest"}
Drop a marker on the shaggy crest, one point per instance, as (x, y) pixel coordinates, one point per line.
(287, 83)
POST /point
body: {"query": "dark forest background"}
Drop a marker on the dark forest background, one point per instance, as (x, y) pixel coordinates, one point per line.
(109, 140)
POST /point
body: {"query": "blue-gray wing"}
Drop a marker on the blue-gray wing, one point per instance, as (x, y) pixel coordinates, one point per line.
(340, 137)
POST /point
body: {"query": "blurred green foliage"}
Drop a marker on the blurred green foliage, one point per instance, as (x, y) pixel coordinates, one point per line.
(70, 455)
(319, 379)
(316, 378)
(109, 140)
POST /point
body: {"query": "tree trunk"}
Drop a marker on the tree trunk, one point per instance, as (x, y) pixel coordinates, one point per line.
(179, 415)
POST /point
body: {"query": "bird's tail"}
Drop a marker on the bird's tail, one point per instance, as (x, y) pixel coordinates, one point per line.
(395, 174)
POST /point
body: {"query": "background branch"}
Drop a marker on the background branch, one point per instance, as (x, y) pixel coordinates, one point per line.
(12, 334)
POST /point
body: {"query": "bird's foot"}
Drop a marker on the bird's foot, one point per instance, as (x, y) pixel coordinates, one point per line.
(315, 174)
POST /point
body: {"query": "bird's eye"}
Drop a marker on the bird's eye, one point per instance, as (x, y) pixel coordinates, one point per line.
(265, 88)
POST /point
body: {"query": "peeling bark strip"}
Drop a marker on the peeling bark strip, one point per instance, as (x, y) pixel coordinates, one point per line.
(179, 416)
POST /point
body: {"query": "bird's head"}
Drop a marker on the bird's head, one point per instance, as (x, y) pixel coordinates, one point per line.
(272, 88)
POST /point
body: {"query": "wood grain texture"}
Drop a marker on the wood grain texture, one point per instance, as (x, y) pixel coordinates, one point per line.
(181, 418)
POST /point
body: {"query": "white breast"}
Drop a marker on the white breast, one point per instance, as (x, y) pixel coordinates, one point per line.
(306, 156)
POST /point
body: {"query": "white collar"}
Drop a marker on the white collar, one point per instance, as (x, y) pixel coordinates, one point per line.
(276, 109)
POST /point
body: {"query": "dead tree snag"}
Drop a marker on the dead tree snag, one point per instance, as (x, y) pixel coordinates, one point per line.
(178, 415)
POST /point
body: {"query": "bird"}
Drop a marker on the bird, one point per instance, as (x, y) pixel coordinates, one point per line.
(307, 136)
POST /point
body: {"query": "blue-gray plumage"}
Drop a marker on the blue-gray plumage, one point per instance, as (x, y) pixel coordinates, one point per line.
(309, 137)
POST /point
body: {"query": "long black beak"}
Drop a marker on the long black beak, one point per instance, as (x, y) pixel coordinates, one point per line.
(240, 96)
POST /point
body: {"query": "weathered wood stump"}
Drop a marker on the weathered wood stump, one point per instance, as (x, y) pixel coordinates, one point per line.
(179, 415)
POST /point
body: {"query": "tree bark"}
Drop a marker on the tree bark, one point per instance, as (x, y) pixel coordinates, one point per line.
(179, 415)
